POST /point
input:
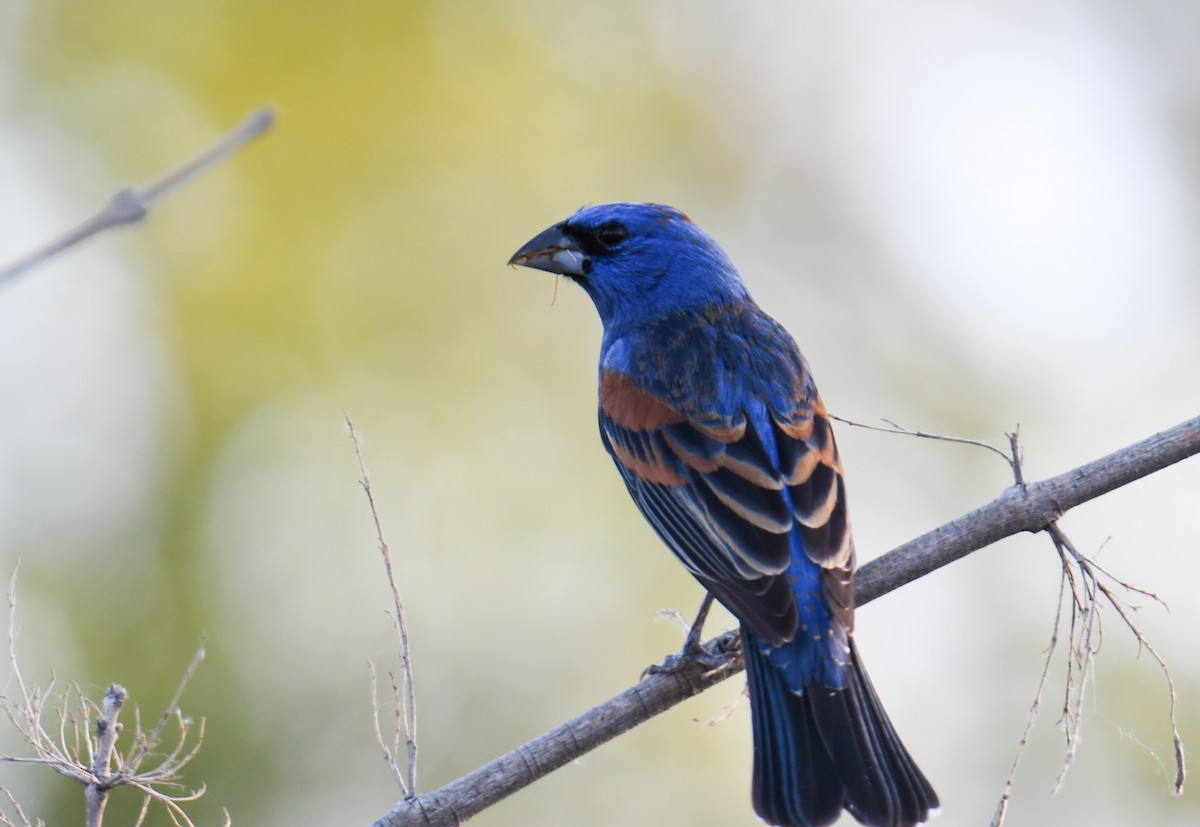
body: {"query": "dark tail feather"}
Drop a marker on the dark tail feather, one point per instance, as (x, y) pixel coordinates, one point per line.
(824, 750)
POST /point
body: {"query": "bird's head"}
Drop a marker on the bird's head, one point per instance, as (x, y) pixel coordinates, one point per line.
(638, 262)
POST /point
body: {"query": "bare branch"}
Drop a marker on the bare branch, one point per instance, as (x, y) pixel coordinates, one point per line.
(107, 730)
(474, 792)
(131, 205)
(406, 697)
(1033, 507)
(1025, 508)
(89, 759)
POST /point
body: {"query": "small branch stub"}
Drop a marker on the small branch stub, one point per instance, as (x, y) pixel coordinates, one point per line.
(108, 729)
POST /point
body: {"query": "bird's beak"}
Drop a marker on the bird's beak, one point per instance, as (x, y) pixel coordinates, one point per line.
(553, 251)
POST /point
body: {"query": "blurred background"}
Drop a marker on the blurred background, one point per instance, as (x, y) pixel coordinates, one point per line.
(971, 216)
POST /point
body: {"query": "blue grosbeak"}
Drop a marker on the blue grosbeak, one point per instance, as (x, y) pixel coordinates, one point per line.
(710, 413)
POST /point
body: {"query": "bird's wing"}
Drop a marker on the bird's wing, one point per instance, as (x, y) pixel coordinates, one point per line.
(730, 497)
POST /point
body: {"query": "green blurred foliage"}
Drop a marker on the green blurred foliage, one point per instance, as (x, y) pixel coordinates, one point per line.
(352, 259)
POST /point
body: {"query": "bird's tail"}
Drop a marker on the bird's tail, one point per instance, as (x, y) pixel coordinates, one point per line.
(823, 750)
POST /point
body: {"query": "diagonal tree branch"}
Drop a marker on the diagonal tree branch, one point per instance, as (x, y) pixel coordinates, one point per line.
(1025, 508)
(131, 205)
(1032, 507)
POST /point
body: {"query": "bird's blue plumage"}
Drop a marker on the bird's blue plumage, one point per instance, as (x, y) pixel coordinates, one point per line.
(711, 415)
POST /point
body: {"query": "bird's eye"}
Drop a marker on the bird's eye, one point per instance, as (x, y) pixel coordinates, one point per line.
(611, 235)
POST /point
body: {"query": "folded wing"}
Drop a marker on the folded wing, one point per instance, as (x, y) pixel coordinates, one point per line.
(741, 499)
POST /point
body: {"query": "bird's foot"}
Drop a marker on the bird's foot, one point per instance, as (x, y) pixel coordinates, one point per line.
(693, 650)
(682, 660)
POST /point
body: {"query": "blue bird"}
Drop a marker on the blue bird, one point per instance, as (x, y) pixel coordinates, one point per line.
(710, 413)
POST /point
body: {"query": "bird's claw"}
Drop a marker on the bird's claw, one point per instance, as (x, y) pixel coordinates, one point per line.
(693, 650)
(684, 658)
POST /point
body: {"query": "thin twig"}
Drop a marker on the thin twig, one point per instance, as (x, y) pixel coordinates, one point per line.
(1094, 572)
(893, 428)
(12, 631)
(1031, 717)
(1086, 637)
(18, 809)
(409, 698)
(154, 736)
(389, 753)
(141, 817)
(131, 205)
